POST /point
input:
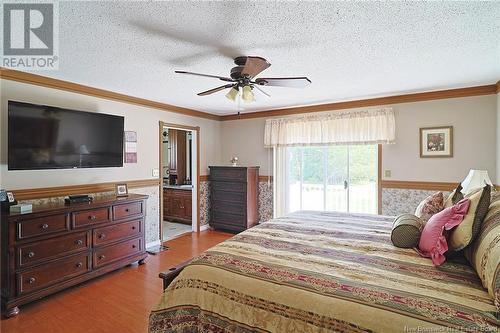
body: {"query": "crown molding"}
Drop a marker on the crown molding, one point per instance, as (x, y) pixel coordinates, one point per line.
(43, 81)
(61, 191)
(397, 99)
(30, 78)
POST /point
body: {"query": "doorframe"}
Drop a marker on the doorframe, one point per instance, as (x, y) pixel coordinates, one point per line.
(196, 129)
(379, 179)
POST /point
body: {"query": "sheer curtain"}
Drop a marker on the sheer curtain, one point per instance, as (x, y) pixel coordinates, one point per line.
(374, 126)
(279, 181)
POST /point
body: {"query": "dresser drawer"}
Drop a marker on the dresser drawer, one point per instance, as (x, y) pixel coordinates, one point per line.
(31, 254)
(228, 174)
(229, 218)
(221, 225)
(116, 232)
(127, 210)
(46, 275)
(42, 226)
(115, 252)
(91, 216)
(236, 208)
(229, 186)
(229, 196)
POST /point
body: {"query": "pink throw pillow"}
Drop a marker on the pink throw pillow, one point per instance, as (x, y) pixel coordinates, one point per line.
(433, 243)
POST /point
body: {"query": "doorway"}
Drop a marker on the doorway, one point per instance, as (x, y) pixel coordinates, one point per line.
(179, 185)
(332, 178)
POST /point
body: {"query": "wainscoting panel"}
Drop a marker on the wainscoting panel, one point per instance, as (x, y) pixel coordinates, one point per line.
(265, 201)
(204, 201)
(152, 213)
(397, 201)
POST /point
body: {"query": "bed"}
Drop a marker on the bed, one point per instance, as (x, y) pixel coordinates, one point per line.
(322, 272)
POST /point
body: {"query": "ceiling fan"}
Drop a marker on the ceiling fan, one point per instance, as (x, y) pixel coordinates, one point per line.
(242, 77)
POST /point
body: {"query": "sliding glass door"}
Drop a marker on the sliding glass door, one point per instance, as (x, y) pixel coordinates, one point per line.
(332, 178)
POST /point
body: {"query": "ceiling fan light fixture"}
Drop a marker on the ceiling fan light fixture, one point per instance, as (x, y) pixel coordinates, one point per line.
(247, 94)
(232, 94)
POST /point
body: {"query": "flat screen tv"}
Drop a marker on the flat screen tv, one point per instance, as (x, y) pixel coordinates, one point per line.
(47, 137)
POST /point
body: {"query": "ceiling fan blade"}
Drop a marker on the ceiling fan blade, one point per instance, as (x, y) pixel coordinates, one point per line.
(222, 78)
(260, 89)
(214, 90)
(292, 82)
(254, 65)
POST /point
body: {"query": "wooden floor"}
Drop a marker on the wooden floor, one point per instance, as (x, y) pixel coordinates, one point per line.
(118, 302)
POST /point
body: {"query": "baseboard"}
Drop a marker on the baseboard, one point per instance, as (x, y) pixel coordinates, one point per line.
(204, 227)
(153, 243)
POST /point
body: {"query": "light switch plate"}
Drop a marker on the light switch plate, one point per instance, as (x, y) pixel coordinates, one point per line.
(156, 173)
(387, 173)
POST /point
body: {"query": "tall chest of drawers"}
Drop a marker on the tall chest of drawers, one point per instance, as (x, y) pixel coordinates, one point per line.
(234, 197)
(58, 246)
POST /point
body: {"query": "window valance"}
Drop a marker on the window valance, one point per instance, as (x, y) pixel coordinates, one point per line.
(337, 128)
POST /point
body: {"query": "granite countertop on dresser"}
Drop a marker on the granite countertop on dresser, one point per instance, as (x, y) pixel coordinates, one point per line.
(179, 187)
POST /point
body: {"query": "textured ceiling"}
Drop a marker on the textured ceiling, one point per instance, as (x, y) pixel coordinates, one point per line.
(349, 50)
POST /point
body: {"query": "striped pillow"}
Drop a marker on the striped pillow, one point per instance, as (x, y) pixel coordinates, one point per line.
(484, 253)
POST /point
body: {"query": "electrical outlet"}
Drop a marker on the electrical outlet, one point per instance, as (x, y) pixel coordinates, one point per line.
(156, 173)
(387, 173)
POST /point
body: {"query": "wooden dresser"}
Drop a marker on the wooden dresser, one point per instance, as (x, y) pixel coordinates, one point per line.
(58, 246)
(234, 197)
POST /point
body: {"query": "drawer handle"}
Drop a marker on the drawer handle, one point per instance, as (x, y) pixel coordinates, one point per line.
(102, 236)
(133, 227)
(45, 226)
(78, 242)
(133, 246)
(31, 254)
(102, 256)
(79, 265)
(31, 280)
(92, 217)
(127, 210)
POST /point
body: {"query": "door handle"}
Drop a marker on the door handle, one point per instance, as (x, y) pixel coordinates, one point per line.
(346, 184)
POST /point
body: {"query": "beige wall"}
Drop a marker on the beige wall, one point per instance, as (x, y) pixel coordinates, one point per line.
(474, 120)
(140, 119)
(474, 127)
(245, 139)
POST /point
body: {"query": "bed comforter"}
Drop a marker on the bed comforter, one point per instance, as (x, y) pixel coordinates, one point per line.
(322, 272)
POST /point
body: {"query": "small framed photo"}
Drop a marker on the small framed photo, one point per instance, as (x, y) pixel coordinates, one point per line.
(121, 190)
(10, 197)
(436, 141)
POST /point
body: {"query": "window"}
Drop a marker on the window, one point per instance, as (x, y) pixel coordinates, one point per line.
(332, 178)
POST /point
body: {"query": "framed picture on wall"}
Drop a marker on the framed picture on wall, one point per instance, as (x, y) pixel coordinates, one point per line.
(436, 141)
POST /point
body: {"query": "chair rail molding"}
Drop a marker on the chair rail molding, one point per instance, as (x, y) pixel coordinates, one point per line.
(59, 191)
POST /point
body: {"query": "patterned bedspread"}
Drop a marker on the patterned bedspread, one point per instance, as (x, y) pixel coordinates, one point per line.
(322, 272)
